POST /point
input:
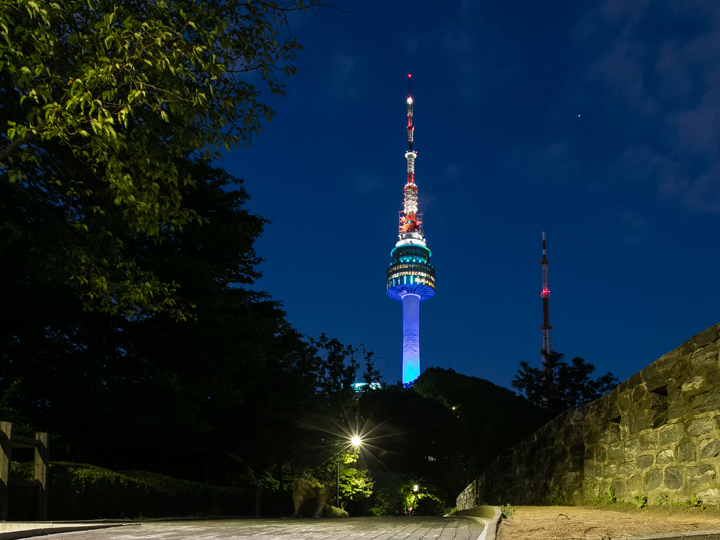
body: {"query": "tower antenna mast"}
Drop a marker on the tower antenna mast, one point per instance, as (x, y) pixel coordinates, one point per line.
(545, 294)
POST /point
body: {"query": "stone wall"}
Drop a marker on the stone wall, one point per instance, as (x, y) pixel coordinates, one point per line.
(658, 432)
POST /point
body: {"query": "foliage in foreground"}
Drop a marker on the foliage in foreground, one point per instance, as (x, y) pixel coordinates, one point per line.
(81, 491)
(100, 105)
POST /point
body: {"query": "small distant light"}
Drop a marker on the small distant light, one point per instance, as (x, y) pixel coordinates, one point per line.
(453, 408)
(415, 487)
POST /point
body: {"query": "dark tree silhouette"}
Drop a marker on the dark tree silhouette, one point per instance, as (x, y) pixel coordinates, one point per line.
(570, 385)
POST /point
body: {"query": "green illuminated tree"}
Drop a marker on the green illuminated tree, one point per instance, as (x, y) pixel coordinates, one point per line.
(355, 485)
(101, 103)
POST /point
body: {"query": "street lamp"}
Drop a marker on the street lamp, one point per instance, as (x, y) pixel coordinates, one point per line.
(356, 442)
(412, 508)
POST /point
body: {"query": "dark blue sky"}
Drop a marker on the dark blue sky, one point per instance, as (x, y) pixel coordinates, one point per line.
(596, 121)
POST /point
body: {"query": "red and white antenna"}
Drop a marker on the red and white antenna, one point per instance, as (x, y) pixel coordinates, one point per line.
(545, 294)
(409, 222)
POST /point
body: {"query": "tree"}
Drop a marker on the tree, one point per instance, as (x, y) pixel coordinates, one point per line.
(570, 385)
(355, 485)
(101, 102)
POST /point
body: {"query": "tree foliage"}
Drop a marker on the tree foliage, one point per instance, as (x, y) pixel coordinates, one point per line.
(564, 385)
(101, 103)
(355, 485)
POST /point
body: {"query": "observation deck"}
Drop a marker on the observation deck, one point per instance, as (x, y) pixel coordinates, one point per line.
(410, 273)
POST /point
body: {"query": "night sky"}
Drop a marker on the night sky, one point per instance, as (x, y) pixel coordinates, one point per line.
(596, 121)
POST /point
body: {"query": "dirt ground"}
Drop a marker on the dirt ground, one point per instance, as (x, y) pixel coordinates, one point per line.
(597, 522)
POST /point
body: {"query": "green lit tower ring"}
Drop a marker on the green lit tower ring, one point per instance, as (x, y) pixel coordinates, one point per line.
(410, 277)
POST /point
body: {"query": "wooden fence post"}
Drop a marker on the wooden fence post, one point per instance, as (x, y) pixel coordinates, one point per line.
(5, 455)
(41, 473)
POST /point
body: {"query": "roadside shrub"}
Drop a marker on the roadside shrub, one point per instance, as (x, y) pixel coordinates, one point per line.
(82, 491)
(507, 511)
(333, 512)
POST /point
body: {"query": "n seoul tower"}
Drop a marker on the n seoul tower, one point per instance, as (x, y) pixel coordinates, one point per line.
(410, 277)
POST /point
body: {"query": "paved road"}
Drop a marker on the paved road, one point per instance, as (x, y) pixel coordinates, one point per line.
(367, 528)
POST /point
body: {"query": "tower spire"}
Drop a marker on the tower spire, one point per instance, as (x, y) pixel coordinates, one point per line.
(409, 221)
(410, 277)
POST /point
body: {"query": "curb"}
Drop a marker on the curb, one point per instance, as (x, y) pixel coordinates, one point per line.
(490, 517)
(52, 529)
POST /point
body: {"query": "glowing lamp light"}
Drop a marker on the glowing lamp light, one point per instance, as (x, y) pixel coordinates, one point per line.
(356, 441)
(416, 487)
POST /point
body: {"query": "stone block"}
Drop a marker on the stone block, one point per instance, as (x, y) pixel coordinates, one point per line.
(699, 426)
(627, 469)
(713, 378)
(700, 476)
(618, 484)
(576, 415)
(609, 471)
(678, 407)
(653, 377)
(706, 402)
(693, 383)
(671, 433)
(600, 454)
(624, 401)
(616, 453)
(610, 435)
(681, 369)
(640, 421)
(664, 457)
(648, 441)
(590, 453)
(708, 336)
(634, 381)
(572, 434)
(673, 478)
(685, 452)
(638, 393)
(668, 360)
(689, 347)
(632, 448)
(643, 462)
(709, 448)
(702, 359)
(709, 496)
(652, 480)
(635, 483)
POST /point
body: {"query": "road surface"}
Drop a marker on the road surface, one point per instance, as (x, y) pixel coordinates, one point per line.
(365, 528)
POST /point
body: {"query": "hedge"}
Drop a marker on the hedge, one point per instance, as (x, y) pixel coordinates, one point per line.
(82, 491)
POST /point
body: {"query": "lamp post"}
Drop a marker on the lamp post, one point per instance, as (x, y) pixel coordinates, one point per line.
(412, 508)
(356, 442)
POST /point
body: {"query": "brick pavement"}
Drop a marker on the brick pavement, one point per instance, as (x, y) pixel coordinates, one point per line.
(364, 528)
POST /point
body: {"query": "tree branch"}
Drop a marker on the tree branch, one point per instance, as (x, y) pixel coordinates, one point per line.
(14, 145)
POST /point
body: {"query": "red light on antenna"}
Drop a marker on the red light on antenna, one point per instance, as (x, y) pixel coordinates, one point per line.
(409, 75)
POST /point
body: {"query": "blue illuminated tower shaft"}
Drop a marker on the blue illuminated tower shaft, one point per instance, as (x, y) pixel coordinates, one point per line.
(410, 277)
(411, 337)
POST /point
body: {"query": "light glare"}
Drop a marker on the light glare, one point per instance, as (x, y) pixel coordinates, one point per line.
(356, 441)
